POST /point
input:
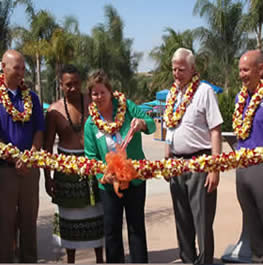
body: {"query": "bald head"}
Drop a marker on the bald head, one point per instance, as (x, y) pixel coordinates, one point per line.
(11, 55)
(254, 56)
(251, 69)
(13, 66)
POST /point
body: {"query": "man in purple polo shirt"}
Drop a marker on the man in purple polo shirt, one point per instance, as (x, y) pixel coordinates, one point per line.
(22, 125)
(250, 180)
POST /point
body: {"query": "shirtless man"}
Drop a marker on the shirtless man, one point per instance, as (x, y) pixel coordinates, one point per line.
(78, 223)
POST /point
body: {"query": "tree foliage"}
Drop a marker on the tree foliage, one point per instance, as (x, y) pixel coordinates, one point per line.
(224, 38)
(110, 50)
(6, 9)
(33, 42)
(254, 20)
(217, 48)
(172, 40)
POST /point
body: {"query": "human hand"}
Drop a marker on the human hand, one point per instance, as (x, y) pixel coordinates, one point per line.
(50, 187)
(212, 181)
(21, 168)
(167, 151)
(107, 178)
(138, 125)
(166, 178)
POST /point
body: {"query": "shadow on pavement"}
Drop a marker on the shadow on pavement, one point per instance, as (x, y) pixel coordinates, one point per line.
(164, 256)
(170, 256)
(47, 251)
(158, 215)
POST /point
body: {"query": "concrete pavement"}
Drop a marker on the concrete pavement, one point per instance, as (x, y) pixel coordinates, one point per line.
(161, 232)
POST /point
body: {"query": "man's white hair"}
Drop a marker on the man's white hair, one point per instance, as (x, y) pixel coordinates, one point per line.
(185, 54)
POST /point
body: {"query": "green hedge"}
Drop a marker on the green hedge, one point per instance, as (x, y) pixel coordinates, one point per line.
(227, 105)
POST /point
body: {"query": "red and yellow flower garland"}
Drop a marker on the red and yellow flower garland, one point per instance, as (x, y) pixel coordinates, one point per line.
(5, 100)
(171, 118)
(242, 127)
(146, 169)
(110, 127)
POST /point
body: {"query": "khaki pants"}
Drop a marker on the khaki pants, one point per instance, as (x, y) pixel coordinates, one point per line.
(18, 194)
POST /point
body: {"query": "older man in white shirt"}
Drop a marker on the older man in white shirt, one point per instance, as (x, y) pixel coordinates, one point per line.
(193, 122)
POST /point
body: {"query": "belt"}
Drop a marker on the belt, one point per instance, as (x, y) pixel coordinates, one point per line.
(4, 163)
(198, 153)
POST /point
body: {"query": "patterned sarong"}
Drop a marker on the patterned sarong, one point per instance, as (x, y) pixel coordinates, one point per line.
(79, 220)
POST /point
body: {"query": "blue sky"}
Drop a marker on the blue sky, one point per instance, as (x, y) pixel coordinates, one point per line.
(144, 20)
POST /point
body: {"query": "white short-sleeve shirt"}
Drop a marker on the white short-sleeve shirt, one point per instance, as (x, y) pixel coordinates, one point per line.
(193, 132)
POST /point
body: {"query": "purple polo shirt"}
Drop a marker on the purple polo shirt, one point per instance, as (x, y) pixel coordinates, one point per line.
(255, 138)
(18, 133)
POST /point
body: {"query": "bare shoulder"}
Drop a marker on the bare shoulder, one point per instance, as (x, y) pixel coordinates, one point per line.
(56, 106)
(55, 111)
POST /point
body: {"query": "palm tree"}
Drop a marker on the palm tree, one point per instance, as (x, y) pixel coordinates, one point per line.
(225, 36)
(6, 9)
(162, 77)
(113, 52)
(23, 42)
(60, 52)
(255, 19)
(61, 47)
(101, 49)
(35, 40)
(83, 54)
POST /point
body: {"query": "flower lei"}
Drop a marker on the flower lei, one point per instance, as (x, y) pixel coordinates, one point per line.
(173, 119)
(110, 127)
(11, 110)
(242, 126)
(146, 169)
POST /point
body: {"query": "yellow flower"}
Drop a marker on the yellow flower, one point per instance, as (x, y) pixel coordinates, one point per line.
(172, 119)
(145, 168)
(110, 127)
(10, 109)
(244, 131)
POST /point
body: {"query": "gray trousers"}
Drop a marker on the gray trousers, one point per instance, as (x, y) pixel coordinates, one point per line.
(19, 199)
(194, 211)
(249, 184)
